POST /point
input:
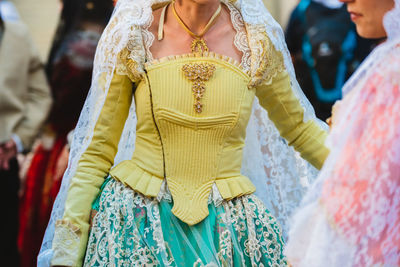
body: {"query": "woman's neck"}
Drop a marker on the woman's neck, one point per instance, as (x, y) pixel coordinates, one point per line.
(196, 14)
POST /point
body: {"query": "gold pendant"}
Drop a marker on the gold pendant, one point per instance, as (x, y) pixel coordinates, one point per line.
(199, 46)
(198, 73)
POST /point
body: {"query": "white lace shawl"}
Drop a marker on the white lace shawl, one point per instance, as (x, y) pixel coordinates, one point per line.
(280, 175)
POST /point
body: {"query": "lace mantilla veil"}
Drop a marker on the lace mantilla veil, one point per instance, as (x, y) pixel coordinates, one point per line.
(351, 214)
(279, 174)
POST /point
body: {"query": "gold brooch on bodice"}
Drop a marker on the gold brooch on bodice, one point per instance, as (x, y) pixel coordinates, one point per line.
(198, 73)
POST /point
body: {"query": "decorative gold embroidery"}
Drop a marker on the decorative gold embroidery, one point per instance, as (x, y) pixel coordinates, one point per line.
(198, 73)
(267, 61)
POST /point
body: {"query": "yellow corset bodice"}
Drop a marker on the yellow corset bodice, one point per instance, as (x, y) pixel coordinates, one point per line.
(192, 150)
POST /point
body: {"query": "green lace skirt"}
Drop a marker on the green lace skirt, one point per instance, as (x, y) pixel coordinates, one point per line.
(129, 229)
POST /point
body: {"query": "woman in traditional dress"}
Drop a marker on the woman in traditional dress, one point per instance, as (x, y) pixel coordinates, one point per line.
(157, 155)
(351, 216)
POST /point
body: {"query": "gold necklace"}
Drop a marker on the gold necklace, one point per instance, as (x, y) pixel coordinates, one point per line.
(198, 44)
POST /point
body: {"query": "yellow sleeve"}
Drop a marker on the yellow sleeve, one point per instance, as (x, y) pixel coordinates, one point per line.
(286, 112)
(71, 233)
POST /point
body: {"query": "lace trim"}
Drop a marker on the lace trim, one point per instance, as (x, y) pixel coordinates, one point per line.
(148, 38)
(240, 40)
(65, 243)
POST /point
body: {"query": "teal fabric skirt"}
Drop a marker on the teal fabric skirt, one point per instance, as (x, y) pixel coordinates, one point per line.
(129, 229)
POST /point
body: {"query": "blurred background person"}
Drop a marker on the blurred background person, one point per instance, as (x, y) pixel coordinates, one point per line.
(69, 72)
(25, 100)
(326, 50)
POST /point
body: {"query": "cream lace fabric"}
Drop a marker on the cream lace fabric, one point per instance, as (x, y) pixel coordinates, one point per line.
(240, 41)
(69, 240)
(148, 39)
(280, 175)
(351, 215)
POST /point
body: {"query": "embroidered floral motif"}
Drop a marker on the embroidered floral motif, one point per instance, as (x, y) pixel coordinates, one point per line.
(267, 62)
(198, 73)
(131, 59)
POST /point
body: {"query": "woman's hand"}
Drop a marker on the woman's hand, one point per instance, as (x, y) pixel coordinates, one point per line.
(62, 163)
